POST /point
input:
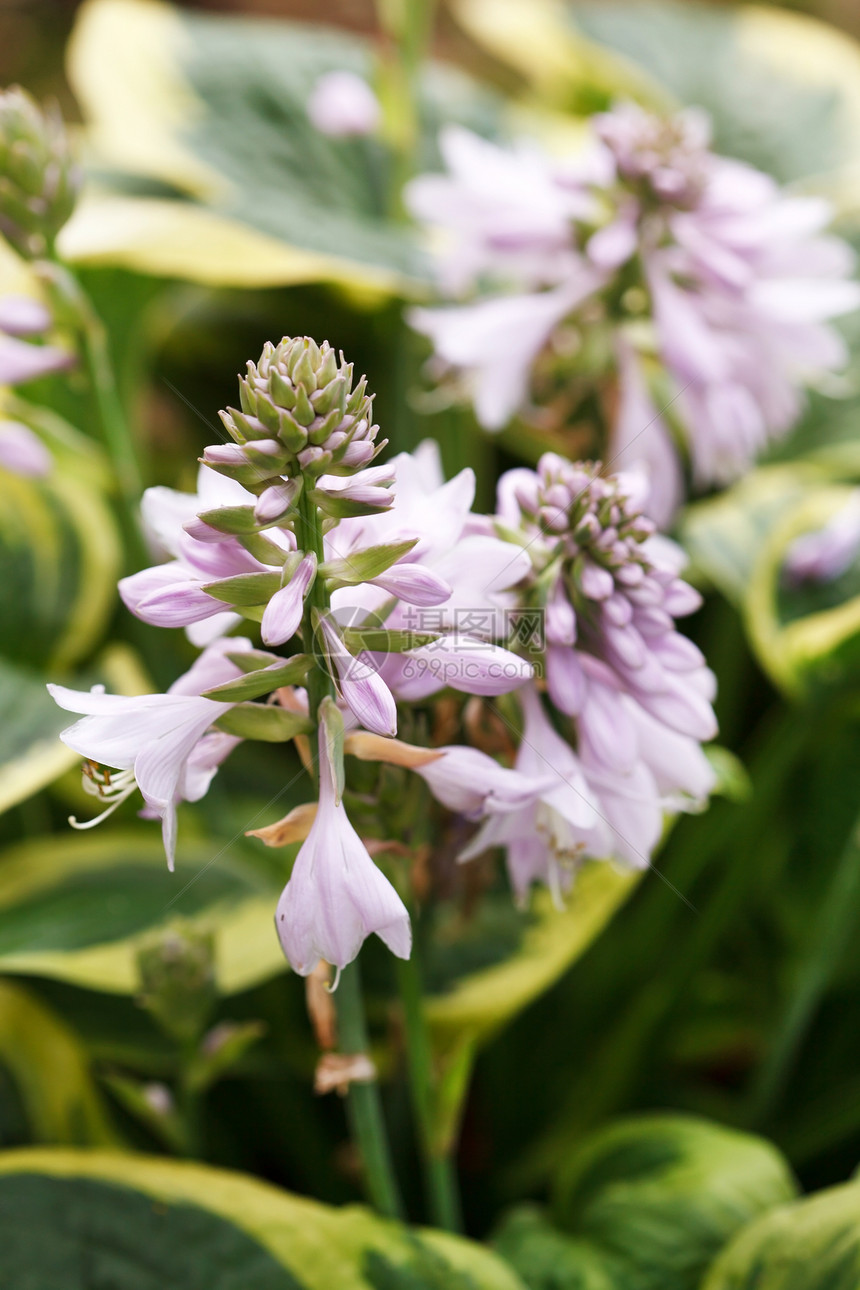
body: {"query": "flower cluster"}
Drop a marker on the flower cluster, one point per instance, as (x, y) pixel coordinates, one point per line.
(684, 287)
(293, 529)
(337, 561)
(632, 696)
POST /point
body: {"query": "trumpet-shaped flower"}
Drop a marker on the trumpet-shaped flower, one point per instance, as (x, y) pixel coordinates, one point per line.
(160, 743)
(336, 896)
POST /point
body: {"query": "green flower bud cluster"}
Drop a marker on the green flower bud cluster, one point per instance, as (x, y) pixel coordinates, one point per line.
(177, 979)
(299, 415)
(38, 180)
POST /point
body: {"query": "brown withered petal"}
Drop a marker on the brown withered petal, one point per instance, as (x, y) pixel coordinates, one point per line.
(321, 1006)
(294, 827)
(370, 747)
(336, 1071)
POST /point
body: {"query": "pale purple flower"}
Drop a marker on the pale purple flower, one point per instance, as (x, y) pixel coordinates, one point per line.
(729, 289)
(826, 552)
(157, 742)
(502, 210)
(361, 687)
(461, 662)
(494, 343)
(476, 568)
(370, 487)
(21, 361)
(342, 104)
(283, 614)
(336, 896)
(473, 784)
(632, 695)
(171, 594)
(544, 837)
(22, 452)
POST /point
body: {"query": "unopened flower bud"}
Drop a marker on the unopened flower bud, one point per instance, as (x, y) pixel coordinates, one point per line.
(38, 180)
(177, 976)
(300, 395)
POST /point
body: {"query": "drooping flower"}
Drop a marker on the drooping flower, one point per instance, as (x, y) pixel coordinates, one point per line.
(162, 744)
(336, 896)
(343, 105)
(647, 262)
(473, 784)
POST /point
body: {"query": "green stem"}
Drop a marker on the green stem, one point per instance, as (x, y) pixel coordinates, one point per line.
(440, 1179)
(71, 300)
(364, 1108)
(115, 430)
(409, 25)
(190, 1103)
(831, 929)
(309, 537)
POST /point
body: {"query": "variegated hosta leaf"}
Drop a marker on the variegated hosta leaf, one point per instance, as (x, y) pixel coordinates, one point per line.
(137, 1221)
(524, 954)
(646, 1203)
(50, 1070)
(59, 562)
(806, 635)
(31, 754)
(794, 105)
(77, 908)
(213, 111)
(805, 1246)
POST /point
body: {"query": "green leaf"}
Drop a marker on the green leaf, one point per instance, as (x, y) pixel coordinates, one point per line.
(79, 907)
(794, 104)
(369, 563)
(662, 1194)
(59, 562)
(31, 754)
(245, 588)
(548, 1259)
(809, 1245)
(50, 1067)
(803, 637)
(645, 1204)
(725, 534)
(286, 671)
(216, 109)
(266, 722)
(481, 1002)
(136, 1097)
(792, 109)
(225, 1045)
(142, 1223)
